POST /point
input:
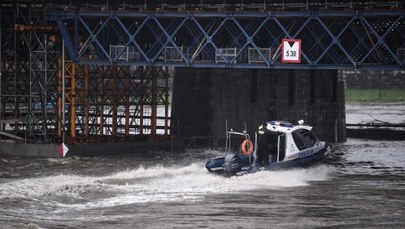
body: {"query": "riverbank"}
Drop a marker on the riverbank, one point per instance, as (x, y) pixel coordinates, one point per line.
(376, 120)
(374, 95)
(375, 105)
(393, 112)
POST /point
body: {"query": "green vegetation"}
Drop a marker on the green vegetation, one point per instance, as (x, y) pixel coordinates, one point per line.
(375, 95)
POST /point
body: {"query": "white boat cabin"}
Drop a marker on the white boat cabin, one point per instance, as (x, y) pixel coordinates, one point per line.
(293, 141)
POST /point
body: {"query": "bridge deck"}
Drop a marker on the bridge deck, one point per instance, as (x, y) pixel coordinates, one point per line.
(207, 5)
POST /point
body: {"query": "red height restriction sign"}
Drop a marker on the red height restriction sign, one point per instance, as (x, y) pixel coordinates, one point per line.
(291, 51)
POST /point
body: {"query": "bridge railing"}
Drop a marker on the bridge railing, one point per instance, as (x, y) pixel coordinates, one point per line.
(225, 55)
(172, 55)
(260, 55)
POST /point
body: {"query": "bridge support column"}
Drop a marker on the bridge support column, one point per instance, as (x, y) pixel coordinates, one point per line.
(204, 100)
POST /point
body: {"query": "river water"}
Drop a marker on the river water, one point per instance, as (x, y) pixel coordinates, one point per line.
(361, 185)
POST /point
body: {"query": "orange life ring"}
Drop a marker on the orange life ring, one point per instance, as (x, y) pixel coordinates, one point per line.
(247, 147)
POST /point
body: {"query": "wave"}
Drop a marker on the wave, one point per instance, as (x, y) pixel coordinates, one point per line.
(152, 184)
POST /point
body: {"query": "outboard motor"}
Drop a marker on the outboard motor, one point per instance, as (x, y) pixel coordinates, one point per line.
(215, 165)
(232, 164)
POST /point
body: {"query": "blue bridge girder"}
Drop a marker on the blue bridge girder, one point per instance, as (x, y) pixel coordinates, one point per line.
(356, 39)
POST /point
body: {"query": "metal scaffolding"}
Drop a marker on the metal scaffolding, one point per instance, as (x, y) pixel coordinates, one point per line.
(45, 97)
(28, 73)
(113, 103)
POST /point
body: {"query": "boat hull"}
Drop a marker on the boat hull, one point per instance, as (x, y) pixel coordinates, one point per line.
(236, 164)
(296, 163)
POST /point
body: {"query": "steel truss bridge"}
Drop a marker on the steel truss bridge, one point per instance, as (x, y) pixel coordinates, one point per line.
(370, 38)
(81, 71)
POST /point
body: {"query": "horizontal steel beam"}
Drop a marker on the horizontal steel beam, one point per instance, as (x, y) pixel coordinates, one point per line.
(54, 14)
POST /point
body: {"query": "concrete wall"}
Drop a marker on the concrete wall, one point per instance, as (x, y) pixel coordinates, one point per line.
(29, 150)
(51, 150)
(205, 99)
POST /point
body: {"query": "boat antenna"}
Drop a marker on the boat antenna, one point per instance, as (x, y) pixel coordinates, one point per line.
(226, 134)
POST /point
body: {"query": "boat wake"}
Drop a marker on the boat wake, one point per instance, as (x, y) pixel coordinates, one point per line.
(153, 184)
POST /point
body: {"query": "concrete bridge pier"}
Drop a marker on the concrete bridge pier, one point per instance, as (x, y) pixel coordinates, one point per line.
(204, 100)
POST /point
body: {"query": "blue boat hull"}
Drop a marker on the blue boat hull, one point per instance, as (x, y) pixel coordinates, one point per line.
(294, 163)
(237, 164)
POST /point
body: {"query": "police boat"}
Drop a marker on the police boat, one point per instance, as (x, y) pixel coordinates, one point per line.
(279, 145)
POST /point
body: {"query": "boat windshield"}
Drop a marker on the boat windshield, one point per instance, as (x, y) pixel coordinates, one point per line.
(304, 138)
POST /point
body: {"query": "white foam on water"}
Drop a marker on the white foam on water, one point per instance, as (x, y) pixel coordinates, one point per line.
(154, 184)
